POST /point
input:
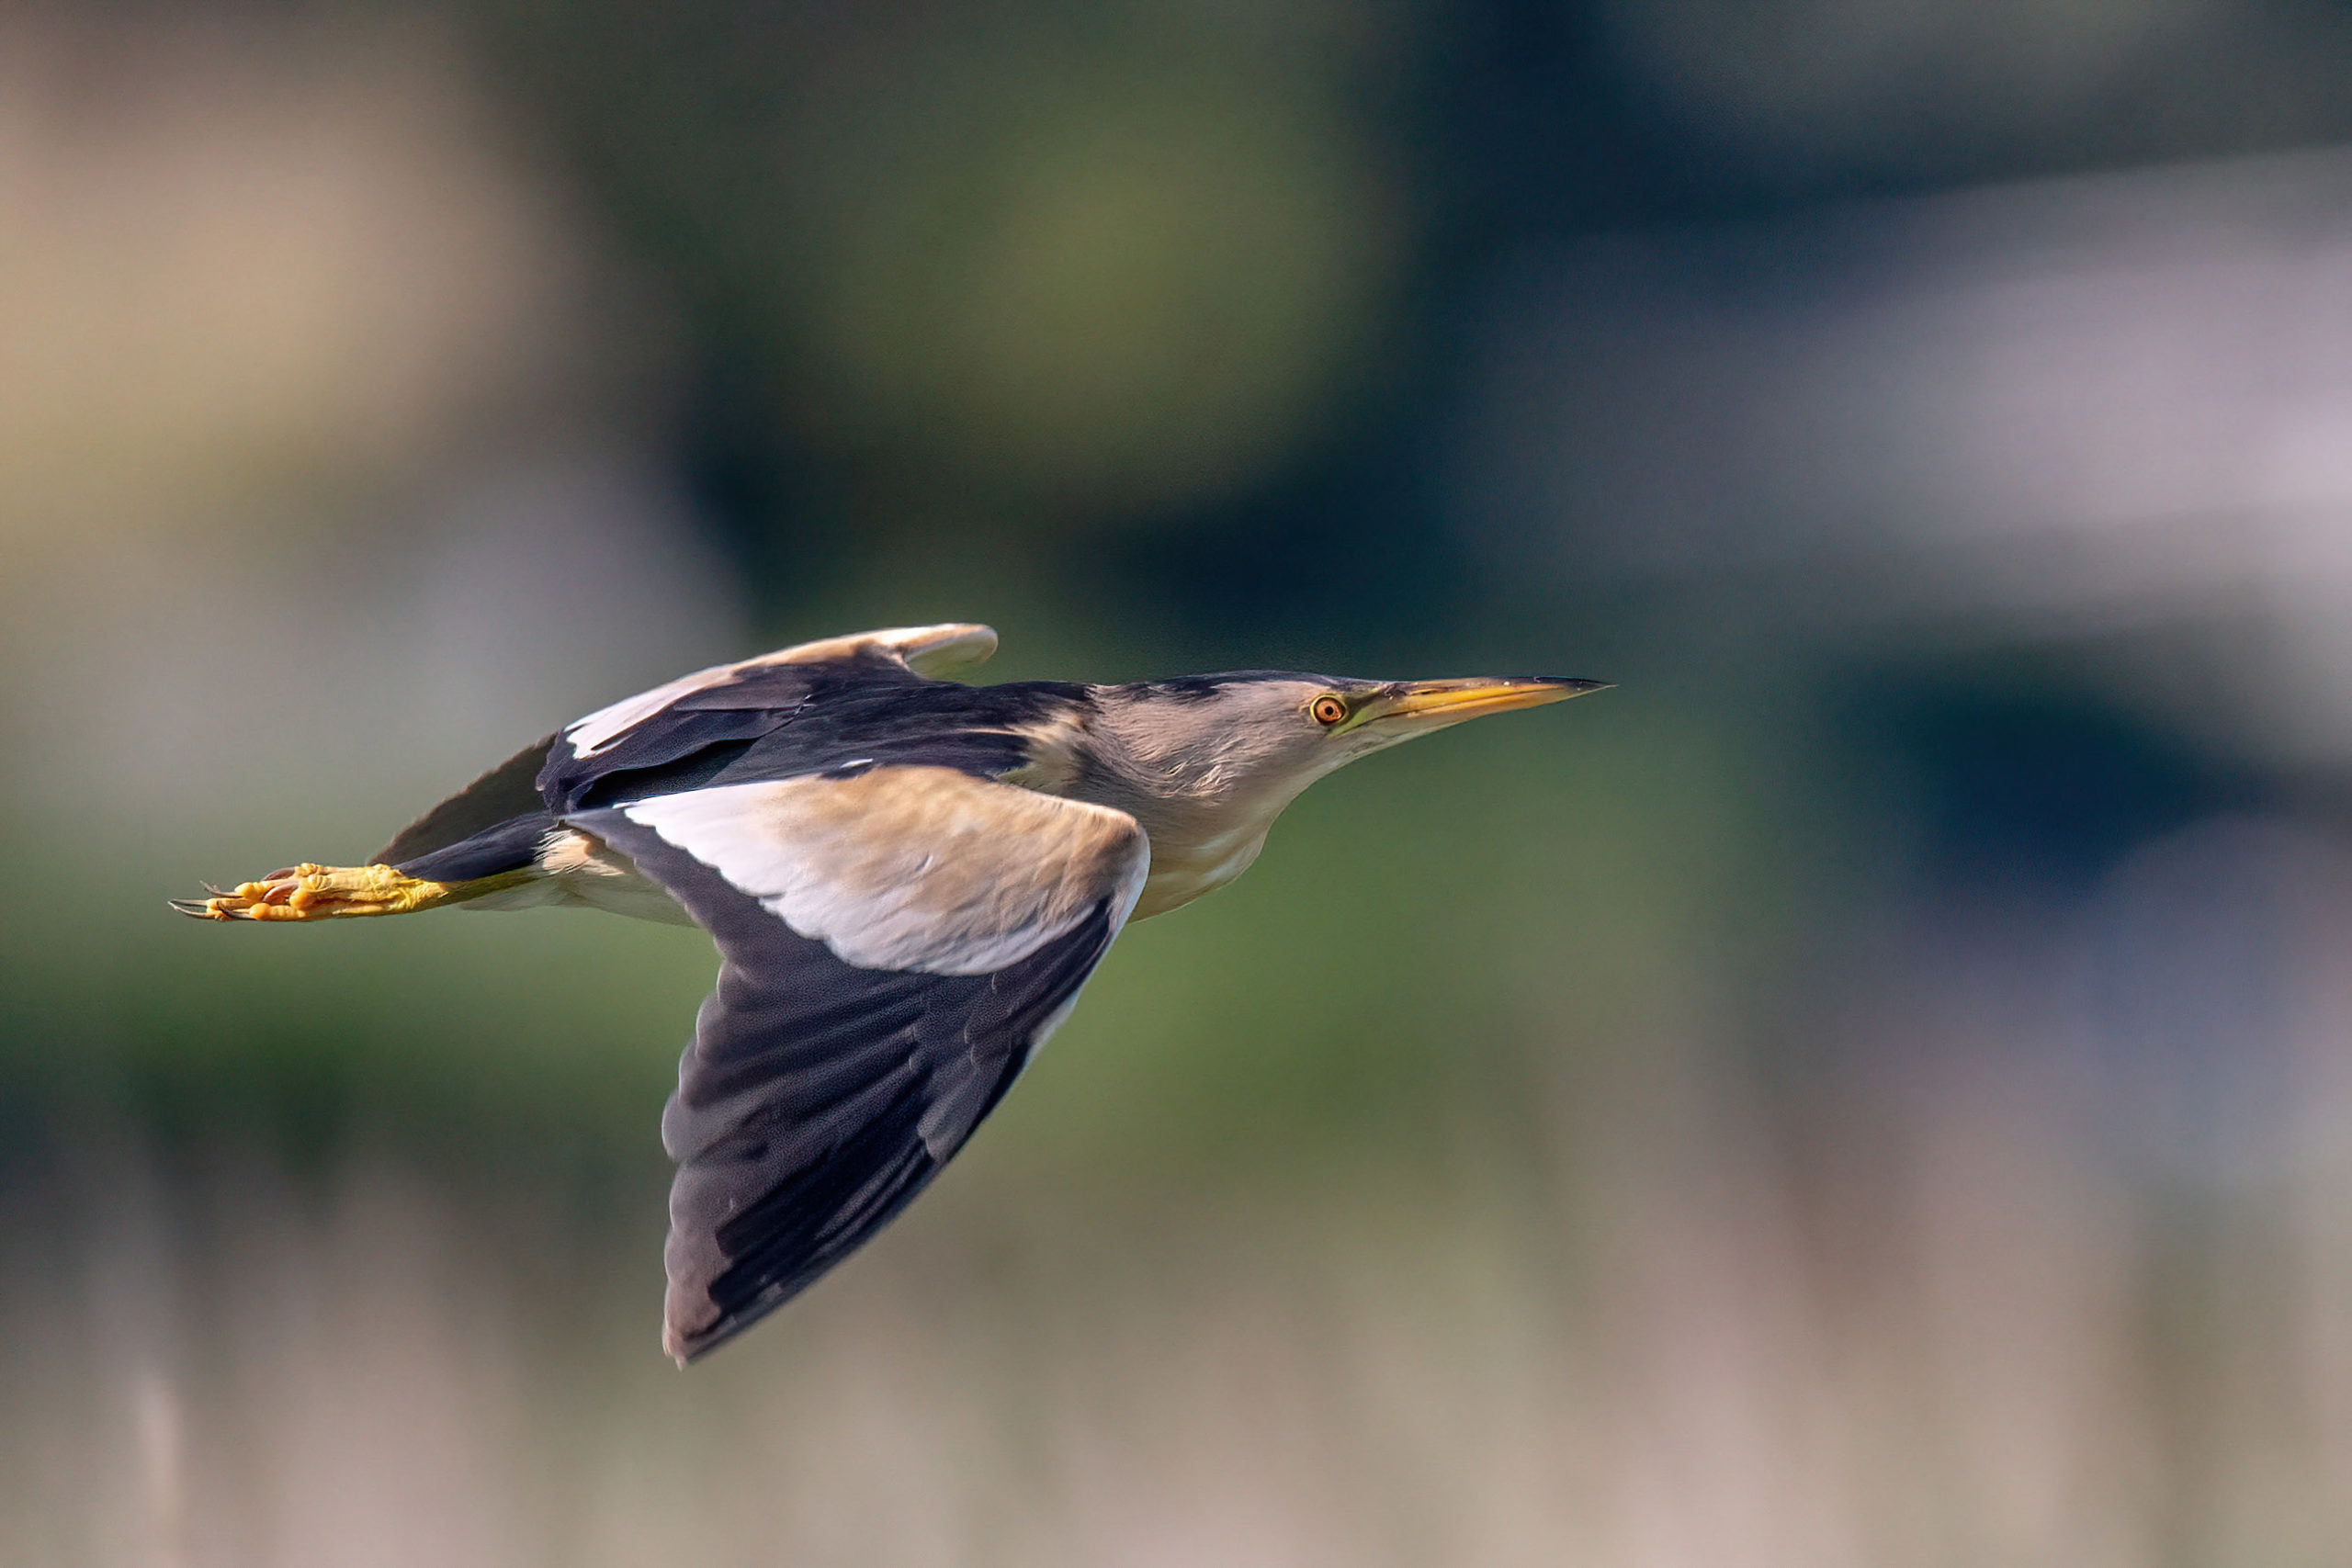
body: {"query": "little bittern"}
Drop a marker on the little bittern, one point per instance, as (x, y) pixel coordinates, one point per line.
(908, 880)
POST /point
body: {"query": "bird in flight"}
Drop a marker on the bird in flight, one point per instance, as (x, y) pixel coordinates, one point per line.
(908, 880)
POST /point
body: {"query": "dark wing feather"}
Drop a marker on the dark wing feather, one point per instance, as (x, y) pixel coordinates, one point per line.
(732, 704)
(660, 741)
(673, 750)
(820, 1096)
(507, 791)
(781, 721)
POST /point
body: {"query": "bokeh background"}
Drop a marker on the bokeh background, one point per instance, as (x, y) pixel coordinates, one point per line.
(1873, 1090)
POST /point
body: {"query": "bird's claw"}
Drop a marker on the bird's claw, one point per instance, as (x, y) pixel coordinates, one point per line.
(309, 892)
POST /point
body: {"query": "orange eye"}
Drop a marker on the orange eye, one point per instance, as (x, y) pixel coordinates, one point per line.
(1327, 710)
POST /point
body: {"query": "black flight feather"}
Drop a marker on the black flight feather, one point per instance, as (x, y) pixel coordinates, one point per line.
(507, 791)
(817, 1098)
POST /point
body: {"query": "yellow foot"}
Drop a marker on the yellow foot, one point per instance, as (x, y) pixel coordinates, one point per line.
(307, 892)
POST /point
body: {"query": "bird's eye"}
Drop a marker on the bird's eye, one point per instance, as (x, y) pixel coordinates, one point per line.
(1327, 710)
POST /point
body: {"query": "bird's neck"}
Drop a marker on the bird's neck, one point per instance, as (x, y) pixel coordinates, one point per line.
(1197, 846)
(1205, 814)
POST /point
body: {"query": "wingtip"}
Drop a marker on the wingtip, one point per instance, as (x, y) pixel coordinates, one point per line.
(953, 645)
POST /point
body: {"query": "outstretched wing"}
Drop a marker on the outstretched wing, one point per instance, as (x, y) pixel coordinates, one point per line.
(895, 943)
(713, 716)
(506, 792)
(687, 732)
(919, 650)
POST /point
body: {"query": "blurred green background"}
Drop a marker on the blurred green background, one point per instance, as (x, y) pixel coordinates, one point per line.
(1875, 1089)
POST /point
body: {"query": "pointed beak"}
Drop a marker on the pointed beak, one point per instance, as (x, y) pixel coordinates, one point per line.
(1432, 704)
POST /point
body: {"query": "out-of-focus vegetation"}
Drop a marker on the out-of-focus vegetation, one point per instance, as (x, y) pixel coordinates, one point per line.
(1871, 1089)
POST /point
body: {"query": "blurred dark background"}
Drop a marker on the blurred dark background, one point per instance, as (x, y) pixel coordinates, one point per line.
(1873, 1088)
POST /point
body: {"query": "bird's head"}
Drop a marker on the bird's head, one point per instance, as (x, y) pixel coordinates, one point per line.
(1263, 736)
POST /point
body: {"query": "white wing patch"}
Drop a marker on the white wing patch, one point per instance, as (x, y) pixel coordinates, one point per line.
(926, 650)
(923, 869)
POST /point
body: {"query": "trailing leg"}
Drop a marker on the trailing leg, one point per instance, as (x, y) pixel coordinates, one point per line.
(307, 892)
